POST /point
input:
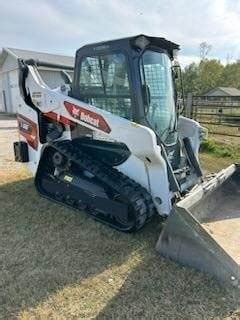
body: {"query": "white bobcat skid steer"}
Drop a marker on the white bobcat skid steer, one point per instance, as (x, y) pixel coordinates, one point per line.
(112, 143)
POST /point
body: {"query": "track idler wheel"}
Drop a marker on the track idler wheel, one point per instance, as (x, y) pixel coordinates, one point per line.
(60, 161)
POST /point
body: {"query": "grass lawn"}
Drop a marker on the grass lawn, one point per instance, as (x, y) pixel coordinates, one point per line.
(58, 264)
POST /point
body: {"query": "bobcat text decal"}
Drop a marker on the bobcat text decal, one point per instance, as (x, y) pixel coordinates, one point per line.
(89, 117)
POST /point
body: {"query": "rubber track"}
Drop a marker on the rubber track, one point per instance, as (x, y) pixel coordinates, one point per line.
(138, 197)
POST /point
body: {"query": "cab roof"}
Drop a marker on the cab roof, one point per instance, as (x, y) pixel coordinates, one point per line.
(134, 41)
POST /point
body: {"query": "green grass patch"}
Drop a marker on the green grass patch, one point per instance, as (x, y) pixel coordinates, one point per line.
(220, 149)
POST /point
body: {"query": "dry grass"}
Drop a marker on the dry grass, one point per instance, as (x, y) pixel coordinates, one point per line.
(58, 264)
(224, 131)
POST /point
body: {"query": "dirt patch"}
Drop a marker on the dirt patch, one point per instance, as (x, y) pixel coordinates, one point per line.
(232, 141)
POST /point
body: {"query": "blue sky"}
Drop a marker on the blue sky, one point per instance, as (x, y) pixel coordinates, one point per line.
(59, 26)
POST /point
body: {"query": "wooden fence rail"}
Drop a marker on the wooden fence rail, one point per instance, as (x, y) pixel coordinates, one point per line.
(219, 115)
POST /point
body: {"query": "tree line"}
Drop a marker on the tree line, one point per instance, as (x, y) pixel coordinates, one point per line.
(201, 77)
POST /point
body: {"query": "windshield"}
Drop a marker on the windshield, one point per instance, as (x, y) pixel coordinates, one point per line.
(158, 90)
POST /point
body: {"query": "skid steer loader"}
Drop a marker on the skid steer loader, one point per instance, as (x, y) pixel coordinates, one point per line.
(112, 142)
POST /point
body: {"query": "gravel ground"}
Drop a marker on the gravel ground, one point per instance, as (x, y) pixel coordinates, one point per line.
(8, 134)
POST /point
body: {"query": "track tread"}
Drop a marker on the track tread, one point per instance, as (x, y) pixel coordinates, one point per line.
(136, 195)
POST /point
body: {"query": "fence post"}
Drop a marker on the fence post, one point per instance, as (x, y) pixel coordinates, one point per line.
(189, 105)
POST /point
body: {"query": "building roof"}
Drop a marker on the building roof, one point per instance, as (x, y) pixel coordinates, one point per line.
(41, 56)
(227, 90)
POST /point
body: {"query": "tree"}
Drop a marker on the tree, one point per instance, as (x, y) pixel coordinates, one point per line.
(210, 75)
(200, 78)
(191, 78)
(231, 75)
(204, 49)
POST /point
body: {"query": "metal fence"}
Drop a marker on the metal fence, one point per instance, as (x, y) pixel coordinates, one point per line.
(221, 115)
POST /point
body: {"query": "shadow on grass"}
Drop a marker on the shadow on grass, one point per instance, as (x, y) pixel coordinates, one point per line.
(159, 289)
(46, 247)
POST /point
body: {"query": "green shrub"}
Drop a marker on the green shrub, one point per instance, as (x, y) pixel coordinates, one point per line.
(221, 150)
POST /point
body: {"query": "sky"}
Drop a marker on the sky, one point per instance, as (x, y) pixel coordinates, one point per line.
(61, 26)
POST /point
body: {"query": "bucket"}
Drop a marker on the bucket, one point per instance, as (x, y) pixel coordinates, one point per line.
(203, 230)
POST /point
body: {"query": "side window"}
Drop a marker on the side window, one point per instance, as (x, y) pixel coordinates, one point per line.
(104, 83)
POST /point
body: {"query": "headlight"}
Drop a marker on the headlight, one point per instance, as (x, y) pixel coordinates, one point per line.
(141, 42)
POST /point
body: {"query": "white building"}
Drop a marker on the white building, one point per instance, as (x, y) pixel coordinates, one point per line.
(9, 91)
